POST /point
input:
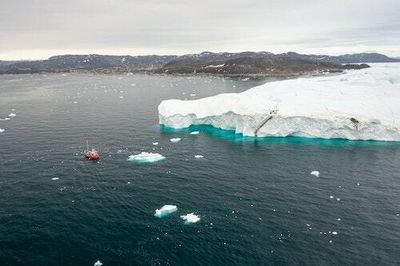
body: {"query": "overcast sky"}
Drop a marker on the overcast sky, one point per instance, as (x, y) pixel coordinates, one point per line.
(34, 29)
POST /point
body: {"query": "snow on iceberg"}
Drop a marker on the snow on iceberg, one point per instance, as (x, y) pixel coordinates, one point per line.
(146, 157)
(190, 218)
(356, 105)
(165, 211)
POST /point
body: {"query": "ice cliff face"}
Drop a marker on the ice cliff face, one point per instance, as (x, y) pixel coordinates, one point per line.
(358, 105)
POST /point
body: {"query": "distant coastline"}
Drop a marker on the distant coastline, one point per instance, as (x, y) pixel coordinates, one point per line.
(247, 64)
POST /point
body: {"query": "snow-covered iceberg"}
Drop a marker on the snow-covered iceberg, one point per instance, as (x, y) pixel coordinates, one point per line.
(190, 218)
(146, 157)
(165, 211)
(357, 105)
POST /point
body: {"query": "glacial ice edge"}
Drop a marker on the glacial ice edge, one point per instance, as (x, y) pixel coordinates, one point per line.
(294, 126)
(358, 105)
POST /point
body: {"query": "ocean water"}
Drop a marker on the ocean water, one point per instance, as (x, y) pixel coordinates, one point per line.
(257, 202)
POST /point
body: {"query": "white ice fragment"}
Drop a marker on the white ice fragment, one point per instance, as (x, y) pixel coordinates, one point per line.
(198, 156)
(155, 143)
(190, 218)
(175, 140)
(194, 132)
(2, 130)
(192, 95)
(133, 84)
(7, 118)
(98, 263)
(75, 102)
(12, 115)
(121, 96)
(165, 211)
(331, 197)
(146, 157)
(55, 178)
(334, 233)
(315, 173)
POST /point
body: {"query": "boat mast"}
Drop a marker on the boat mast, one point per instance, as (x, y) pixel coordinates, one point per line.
(87, 145)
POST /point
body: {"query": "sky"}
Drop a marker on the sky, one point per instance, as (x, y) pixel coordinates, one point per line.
(38, 29)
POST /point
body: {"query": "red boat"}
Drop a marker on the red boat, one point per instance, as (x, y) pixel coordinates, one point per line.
(91, 154)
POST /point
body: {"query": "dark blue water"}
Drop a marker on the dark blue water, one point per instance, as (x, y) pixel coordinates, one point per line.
(257, 201)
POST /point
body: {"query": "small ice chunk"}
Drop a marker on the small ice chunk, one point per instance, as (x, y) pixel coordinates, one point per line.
(194, 133)
(331, 197)
(146, 157)
(12, 115)
(75, 102)
(165, 211)
(155, 143)
(175, 140)
(121, 96)
(192, 95)
(2, 130)
(315, 173)
(55, 178)
(190, 218)
(7, 118)
(198, 156)
(133, 84)
(334, 233)
(98, 263)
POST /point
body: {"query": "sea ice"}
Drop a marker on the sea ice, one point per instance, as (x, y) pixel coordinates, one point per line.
(315, 173)
(155, 143)
(194, 133)
(165, 211)
(55, 178)
(7, 118)
(2, 130)
(12, 115)
(356, 105)
(146, 157)
(198, 156)
(98, 263)
(175, 139)
(190, 218)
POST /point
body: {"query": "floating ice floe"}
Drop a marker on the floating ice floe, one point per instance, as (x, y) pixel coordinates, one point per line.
(198, 156)
(12, 115)
(98, 263)
(334, 233)
(75, 102)
(190, 218)
(2, 130)
(315, 173)
(55, 178)
(356, 105)
(175, 140)
(146, 157)
(165, 211)
(7, 118)
(155, 143)
(194, 132)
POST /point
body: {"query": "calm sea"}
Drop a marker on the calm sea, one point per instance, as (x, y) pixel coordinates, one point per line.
(257, 201)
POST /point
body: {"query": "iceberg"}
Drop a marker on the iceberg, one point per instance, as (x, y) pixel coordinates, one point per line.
(356, 105)
(98, 263)
(146, 157)
(190, 218)
(315, 173)
(165, 211)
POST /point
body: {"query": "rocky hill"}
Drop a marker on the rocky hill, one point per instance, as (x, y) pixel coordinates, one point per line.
(246, 63)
